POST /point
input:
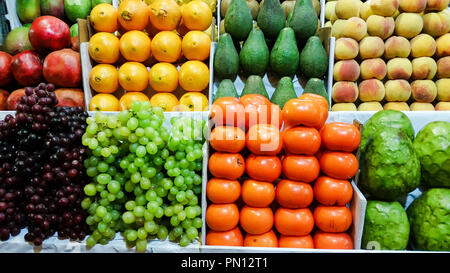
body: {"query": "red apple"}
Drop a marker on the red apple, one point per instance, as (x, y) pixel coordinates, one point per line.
(13, 99)
(3, 97)
(48, 33)
(63, 68)
(27, 68)
(72, 97)
(5, 69)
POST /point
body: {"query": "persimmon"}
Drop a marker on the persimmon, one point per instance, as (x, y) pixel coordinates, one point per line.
(227, 139)
(222, 191)
(327, 240)
(332, 192)
(306, 112)
(339, 165)
(226, 165)
(257, 109)
(332, 218)
(301, 140)
(294, 222)
(294, 195)
(263, 167)
(228, 111)
(225, 238)
(256, 220)
(340, 136)
(296, 241)
(257, 193)
(268, 239)
(301, 168)
(264, 139)
(222, 217)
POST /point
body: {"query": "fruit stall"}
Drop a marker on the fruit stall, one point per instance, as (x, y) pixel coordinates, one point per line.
(225, 126)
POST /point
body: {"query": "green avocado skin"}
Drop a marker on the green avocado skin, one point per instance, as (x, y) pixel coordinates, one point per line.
(284, 57)
(386, 226)
(389, 166)
(386, 118)
(432, 145)
(429, 216)
(254, 55)
(226, 58)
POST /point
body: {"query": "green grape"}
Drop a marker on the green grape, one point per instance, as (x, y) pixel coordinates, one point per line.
(138, 191)
(124, 163)
(101, 136)
(102, 227)
(150, 195)
(109, 233)
(112, 122)
(184, 164)
(151, 148)
(131, 235)
(180, 196)
(198, 153)
(92, 129)
(174, 221)
(114, 149)
(159, 200)
(133, 138)
(132, 168)
(181, 215)
(159, 176)
(141, 151)
(190, 156)
(145, 183)
(99, 187)
(193, 201)
(97, 151)
(151, 227)
(176, 171)
(148, 216)
(198, 166)
(97, 219)
(130, 205)
(143, 140)
(158, 161)
(191, 233)
(103, 241)
(124, 132)
(103, 178)
(159, 212)
(152, 207)
(166, 183)
(171, 197)
(90, 190)
(162, 233)
(115, 215)
(90, 241)
(189, 180)
(102, 167)
(107, 218)
(120, 195)
(170, 164)
(139, 162)
(128, 217)
(184, 241)
(197, 189)
(139, 211)
(140, 132)
(140, 200)
(104, 201)
(144, 123)
(112, 170)
(173, 191)
(90, 220)
(132, 123)
(136, 106)
(100, 211)
(190, 212)
(135, 177)
(198, 209)
(177, 208)
(141, 233)
(168, 211)
(86, 203)
(149, 132)
(165, 154)
(149, 173)
(105, 152)
(179, 181)
(186, 223)
(189, 194)
(197, 179)
(91, 171)
(161, 192)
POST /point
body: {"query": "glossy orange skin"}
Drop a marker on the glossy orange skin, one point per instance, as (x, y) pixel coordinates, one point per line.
(326, 240)
(228, 111)
(339, 165)
(302, 168)
(276, 116)
(226, 165)
(223, 191)
(225, 238)
(340, 136)
(306, 112)
(263, 167)
(332, 218)
(264, 139)
(268, 239)
(294, 222)
(227, 139)
(257, 193)
(296, 241)
(256, 220)
(311, 96)
(301, 140)
(332, 192)
(257, 110)
(294, 195)
(222, 217)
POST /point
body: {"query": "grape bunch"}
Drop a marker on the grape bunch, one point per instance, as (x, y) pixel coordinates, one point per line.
(145, 181)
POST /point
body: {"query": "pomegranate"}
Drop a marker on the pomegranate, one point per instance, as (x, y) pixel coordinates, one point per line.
(13, 98)
(48, 33)
(5, 69)
(3, 98)
(27, 68)
(63, 68)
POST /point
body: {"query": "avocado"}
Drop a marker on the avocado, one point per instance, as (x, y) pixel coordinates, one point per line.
(304, 19)
(390, 168)
(284, 57)
(226, 58)
(313, 59)
(316, 86)
(238, 20)
(77, 9)
(284, 92)
(28, 10)
(254, 55)
(386, 118)
(271, 18)
(254, 85)
(429, 217)
(432, 145)
(226, 89)
(386, 226)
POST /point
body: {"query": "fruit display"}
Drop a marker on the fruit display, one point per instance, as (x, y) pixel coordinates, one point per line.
(395, 162)
(272, 188)
(390, 54)
(160, 50)
(272, 50)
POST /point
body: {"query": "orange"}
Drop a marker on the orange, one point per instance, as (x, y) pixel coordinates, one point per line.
(104, 48)
(194, 101)
(133, 76)
(197, 15)
(165, 14)
(133, 15)
(167, 101)
(163, 77)
(166, 46)
(195, 45)
(104, 102)
(103, 17)
(104, 78)
(268, 239)
(256, 220)
(194, 76)
(222, 217)
(135, 46)
(129, 97)
(182, 29)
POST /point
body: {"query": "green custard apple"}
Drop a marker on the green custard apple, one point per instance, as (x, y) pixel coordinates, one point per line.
(429, 217)
(432, 146)
(386, 118)
(386, 226)
(389, 167)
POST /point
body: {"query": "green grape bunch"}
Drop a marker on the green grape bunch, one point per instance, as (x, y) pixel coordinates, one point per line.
(146, 178)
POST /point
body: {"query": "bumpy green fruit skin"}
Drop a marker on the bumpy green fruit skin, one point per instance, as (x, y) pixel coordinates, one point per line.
(429, 216)
(284, 57)
(389, 167)
(432, 145)
(254, 55)
(226, 89)
(313, 59)
(386, 226)
(238, 20)
(386, 118)
(226, 58)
